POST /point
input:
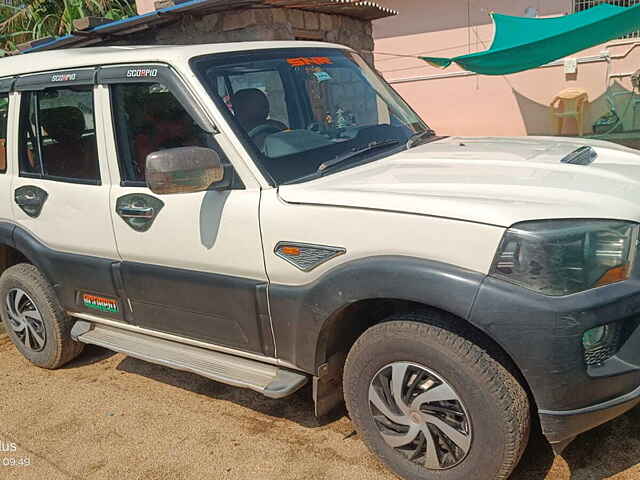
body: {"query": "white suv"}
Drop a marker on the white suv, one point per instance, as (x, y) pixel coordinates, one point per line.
(268, 214)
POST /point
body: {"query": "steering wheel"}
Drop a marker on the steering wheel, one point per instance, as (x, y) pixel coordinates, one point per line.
(267, 128)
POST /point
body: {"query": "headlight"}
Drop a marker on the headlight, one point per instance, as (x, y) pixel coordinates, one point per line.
(560, 257)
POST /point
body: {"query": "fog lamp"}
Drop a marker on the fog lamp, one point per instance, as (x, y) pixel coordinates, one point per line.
(594, 337)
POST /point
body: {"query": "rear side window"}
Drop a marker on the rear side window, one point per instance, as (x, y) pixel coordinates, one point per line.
(149, 118)
(58, 136)
(4, 113)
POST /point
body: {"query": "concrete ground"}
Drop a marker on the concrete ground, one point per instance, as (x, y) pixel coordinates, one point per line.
(107, 416)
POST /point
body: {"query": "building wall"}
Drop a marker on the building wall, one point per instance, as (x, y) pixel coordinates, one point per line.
(262, 24)
(457, 103)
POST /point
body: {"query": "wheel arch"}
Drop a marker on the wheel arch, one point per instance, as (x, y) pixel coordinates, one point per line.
(17, 246)
(307, 317)
(10, 255)
(316, 324)
(343, 328)
(66, 272)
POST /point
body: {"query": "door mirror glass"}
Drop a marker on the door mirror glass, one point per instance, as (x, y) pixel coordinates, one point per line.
(184, 170)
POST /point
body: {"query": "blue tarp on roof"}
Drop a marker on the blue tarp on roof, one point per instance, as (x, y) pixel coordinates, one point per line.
(119, 25)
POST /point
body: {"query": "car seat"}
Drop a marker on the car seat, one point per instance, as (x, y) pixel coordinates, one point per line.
(251, 108)
(71, 155)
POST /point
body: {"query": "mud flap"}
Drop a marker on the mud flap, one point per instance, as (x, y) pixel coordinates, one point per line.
(327, 386)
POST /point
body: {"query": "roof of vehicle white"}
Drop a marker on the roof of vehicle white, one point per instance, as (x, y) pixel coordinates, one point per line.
(86, 57)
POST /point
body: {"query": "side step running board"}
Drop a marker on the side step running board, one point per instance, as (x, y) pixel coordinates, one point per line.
(271, 381)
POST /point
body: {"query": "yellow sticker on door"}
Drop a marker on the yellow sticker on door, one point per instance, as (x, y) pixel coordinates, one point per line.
(102, 304)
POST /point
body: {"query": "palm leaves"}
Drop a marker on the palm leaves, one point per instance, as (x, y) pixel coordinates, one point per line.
(24, 20)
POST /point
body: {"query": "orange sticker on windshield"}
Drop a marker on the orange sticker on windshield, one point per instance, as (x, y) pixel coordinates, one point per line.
(303, 61)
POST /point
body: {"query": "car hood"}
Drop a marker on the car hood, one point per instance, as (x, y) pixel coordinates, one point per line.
(498, 181)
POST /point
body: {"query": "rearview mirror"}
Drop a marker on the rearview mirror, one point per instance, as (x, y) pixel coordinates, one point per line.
(184, 170)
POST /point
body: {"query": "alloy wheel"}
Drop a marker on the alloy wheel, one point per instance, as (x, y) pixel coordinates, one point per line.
(420, 415)
(25, 320)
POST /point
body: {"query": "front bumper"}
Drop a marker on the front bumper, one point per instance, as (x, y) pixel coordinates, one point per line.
(543, 336)
(561, 427)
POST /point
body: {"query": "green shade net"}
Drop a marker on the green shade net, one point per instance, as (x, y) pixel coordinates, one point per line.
(521, 43)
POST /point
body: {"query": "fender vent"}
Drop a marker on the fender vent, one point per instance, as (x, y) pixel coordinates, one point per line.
(582, 156)
(306, 256)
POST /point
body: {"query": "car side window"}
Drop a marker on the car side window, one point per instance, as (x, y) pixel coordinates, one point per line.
(58, 136)
(148, 118)
(4, 112)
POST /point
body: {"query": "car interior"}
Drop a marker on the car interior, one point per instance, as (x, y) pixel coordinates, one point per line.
(149, 118)
(56, 140)
(71, 150)
(321, 122)
(3, 138)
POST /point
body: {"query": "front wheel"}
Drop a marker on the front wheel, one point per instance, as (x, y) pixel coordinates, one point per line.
(431, 404)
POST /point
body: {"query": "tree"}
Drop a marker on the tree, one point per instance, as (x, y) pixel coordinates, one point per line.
(24, 21)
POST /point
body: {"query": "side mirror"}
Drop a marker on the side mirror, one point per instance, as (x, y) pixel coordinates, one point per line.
(184, 170)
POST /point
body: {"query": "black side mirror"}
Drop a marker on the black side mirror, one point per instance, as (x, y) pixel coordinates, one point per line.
(185, 170)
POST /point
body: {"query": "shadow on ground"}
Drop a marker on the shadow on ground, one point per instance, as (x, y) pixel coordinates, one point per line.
(90, 355)
(603, 452)
(296, 408)
(598, 454)
(606, 450)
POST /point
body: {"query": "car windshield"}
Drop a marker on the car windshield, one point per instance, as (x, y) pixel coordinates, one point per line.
(307, 112)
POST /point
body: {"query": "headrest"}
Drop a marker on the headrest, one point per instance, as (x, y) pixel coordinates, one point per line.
(63, 124)
(250, 105)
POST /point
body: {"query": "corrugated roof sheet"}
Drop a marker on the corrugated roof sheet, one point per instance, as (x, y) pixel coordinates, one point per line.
(365, 10)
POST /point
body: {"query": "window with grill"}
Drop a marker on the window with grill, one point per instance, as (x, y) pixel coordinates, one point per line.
(580, 5)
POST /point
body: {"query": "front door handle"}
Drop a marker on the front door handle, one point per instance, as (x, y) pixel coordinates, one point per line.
(136, 212)
(30, 199)
(139, 210)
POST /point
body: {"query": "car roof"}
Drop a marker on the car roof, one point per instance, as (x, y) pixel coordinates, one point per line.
(87, 57)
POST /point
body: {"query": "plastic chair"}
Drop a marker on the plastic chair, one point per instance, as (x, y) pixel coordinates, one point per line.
(569, 103)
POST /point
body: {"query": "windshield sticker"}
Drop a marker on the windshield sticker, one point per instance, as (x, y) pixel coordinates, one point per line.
(102, 304)
(322, 76)
(304, 61)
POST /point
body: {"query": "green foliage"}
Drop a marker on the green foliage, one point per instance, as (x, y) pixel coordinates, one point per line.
(30, 20)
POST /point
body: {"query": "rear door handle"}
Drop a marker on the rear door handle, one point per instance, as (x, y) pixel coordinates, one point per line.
(30, 199)
(136, 212)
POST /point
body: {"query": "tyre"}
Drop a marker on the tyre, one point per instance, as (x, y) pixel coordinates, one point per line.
(432, 404)
(34, 319)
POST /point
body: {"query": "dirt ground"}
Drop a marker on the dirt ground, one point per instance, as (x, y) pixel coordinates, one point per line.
(108, 416)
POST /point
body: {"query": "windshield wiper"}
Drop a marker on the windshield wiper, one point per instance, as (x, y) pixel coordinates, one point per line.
(355, 152)
(428, 133)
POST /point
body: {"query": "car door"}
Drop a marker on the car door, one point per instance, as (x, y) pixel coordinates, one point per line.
(5, 178)
(60, 189)
(192, 262)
